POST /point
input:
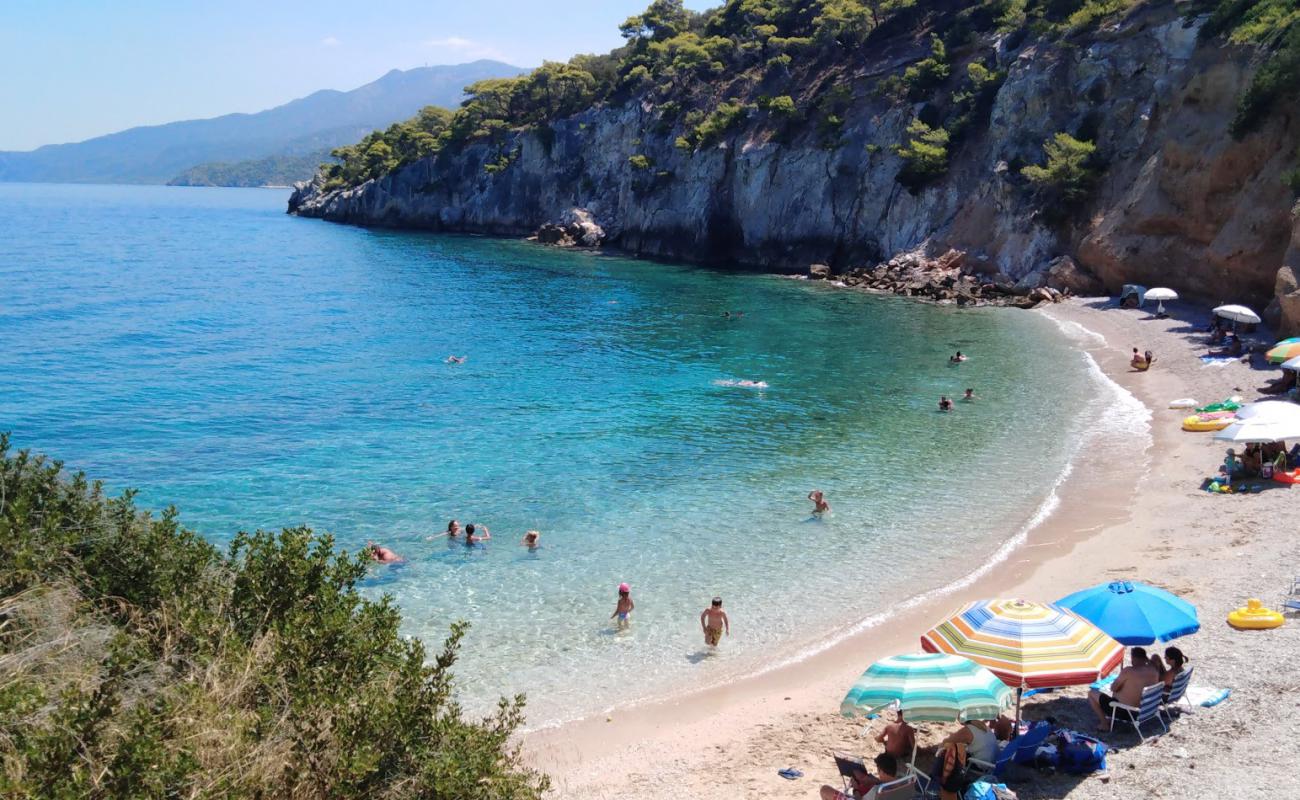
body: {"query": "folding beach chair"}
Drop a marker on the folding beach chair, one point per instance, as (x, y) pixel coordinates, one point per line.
(902, 789)
(1026, 744)
(847, 765)
(1177, 693)
(1146, 710)
(1291, 600)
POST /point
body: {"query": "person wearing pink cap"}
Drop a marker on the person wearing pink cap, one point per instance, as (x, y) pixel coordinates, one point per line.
(624, 607)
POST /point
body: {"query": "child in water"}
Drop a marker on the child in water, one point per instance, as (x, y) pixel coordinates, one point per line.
(625, 606)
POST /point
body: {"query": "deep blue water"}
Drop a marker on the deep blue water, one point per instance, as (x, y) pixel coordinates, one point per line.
(259, 370)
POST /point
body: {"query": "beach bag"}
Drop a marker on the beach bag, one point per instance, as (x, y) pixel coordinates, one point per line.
(1080, 755)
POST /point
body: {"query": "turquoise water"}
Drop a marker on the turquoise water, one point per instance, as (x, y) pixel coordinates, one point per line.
(259, 370)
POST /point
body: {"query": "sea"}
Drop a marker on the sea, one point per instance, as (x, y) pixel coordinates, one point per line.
(257, 370)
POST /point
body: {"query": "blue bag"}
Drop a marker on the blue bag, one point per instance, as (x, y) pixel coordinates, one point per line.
(1080, 755)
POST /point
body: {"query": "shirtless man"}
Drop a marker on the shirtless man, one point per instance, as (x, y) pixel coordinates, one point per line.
(899, 738)
(820, 506)
(1126, 689)
(714, 621)
(969, 397)
(957, 358)
(944, 403)
(382, 554)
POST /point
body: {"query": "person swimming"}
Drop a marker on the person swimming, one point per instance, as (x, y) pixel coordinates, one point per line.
(969, 397)
(745, 384)
(471, 536)
(456, 359)
(945, 404)
(382, 554)
(625, 606)
(957, 358)
(530, 540)
(452, 532)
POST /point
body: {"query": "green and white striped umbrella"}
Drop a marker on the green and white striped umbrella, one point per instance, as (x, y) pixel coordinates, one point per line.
(936, 687)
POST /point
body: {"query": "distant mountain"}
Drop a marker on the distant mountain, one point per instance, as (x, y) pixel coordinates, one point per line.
(300, 128)
(277, 170)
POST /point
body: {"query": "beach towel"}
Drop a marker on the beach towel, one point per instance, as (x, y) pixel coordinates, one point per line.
(1102, 684)
(1217, 361)
(1206, 696)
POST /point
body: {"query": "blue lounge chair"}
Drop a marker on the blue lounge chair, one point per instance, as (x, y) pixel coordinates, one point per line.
(1145, 711)
(1020, 749)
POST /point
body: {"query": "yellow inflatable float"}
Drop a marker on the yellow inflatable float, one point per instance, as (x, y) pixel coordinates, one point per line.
(1254, 616)
(1209, 422)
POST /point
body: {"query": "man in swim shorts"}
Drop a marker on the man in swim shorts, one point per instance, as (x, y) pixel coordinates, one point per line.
(1126, 689)
(714, 621)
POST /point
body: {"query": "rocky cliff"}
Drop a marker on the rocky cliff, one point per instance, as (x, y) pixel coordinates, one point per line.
(1180, 202)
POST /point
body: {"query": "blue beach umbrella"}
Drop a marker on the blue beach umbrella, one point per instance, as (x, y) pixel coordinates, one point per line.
(1134, 613)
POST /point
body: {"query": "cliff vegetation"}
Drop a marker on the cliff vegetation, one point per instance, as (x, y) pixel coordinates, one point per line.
(136, 660)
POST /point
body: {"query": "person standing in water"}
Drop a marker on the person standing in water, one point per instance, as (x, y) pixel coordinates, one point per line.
(820, 506)
(531, 539)
(471, 537)
(452, 532)
(957, 358)
(714, 621)
(944, 403)
(969, 397)
(625, 606)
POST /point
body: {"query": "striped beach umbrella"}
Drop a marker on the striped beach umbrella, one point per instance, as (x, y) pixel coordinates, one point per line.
(1283, 351)
(934, 687)
(1027, 645)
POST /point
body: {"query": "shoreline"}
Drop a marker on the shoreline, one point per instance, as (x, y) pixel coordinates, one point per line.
(583, 754)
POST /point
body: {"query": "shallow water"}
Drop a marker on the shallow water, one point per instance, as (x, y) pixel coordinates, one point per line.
(258, 370)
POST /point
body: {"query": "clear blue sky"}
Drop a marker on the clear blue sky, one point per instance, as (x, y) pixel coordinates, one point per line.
(73, 69)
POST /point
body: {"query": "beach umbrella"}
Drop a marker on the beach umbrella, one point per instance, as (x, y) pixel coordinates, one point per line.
(1283, 351)
(933, 687)
(1027, 645)
(1237, 314)
(1161, 294)
(1293, 364)
(1260, 430)
(1134, 613)
(1274, 410)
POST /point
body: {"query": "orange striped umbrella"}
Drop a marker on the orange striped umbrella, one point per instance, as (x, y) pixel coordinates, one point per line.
(1027, 645)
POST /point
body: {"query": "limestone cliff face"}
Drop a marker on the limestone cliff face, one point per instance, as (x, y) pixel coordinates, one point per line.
(1181, 203)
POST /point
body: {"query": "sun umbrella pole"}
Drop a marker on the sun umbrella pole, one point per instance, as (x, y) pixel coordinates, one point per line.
(1019, 693)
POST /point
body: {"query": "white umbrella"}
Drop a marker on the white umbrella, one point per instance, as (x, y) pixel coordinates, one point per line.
(1161, 294)
(1293, 364)
(1238, 314)
(1272, 410)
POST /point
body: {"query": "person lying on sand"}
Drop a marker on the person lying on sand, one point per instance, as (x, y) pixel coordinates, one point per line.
(898, 738)
(956, 358)
(471, 534)
(530, 540)
(820, 506)
(1126, 689)
(382, 554)
(863, 781)
(714, 621)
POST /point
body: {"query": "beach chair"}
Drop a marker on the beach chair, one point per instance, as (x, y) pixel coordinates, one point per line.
(1146, 710)
(1177, 693)
(1026, 743)
(902, 789)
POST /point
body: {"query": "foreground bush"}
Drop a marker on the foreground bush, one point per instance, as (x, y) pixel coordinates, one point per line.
(136, 660)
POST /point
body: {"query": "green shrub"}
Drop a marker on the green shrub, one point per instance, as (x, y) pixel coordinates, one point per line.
(926, 75)
(1278, 79)
(782, 106)
(722, 119)
(640, 162)
(1070, 171)
(136, 660)
(925, 156)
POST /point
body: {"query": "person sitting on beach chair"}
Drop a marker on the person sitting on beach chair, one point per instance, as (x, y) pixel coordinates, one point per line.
(899, 738)
(857, 781)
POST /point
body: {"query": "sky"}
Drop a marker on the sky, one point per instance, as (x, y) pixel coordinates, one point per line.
(75, 69)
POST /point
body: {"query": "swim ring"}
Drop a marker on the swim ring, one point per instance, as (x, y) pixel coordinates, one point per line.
(1209, 422)
(1254, 616)
(1185, 402)
(1287, 477)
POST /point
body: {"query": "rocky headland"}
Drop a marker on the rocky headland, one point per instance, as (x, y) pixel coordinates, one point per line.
(1171, 194)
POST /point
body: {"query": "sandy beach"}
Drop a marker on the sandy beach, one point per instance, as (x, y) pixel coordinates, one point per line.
(1136, 513)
